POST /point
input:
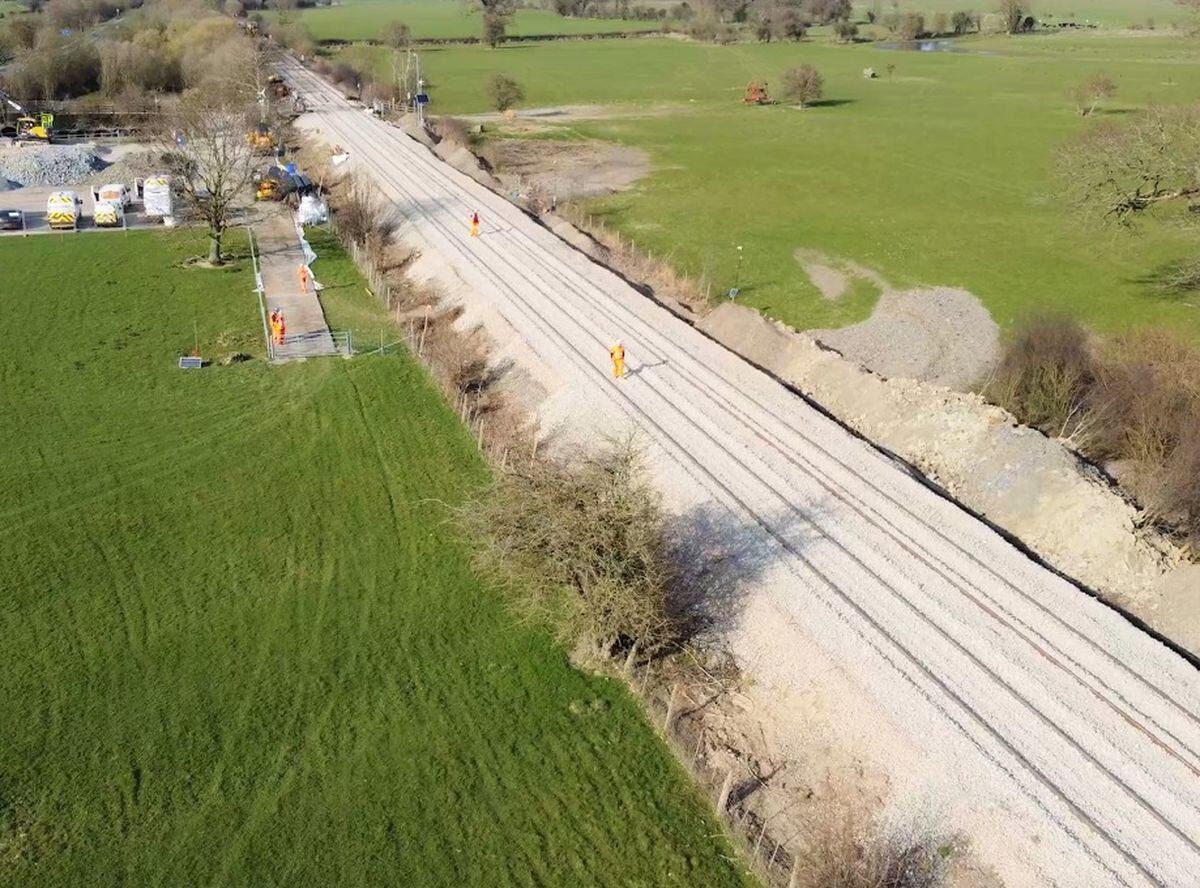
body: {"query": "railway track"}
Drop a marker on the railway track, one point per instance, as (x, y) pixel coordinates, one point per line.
(1049, 702)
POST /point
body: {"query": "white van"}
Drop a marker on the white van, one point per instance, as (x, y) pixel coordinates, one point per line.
(108, 214)
(64, 209)
(114, 193)
(156, 197)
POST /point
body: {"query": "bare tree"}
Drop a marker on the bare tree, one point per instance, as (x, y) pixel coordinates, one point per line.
(496, 16)
(212, 161)
(398, 36)
(1091, 92)
(1013, 13)
(803, 84)
(1120, 170)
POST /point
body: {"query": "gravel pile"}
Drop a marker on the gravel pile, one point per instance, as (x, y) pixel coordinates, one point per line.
(49, 164)
(128, 168)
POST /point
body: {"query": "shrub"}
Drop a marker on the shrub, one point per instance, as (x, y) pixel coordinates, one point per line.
(912, 26)
(504, 92)
(941, 24)
(1046, 375)
(580, 547)
(844, 852)
(803, 85)
(362, 217)
(962, 22)
(845, 31)
(1091, 92)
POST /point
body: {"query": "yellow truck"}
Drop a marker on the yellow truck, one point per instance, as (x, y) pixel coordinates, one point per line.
(64, 209)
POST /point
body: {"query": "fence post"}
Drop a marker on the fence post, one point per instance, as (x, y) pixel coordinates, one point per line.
(672, 704)
(723, 798)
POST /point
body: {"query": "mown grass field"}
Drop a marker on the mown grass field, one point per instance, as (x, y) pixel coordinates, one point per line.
(444, 19)
(241, 644)
(941, 173)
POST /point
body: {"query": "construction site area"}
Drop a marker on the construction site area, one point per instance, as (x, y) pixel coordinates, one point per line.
(452, 477)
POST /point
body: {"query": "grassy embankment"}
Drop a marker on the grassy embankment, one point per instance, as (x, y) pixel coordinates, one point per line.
(433, 20)
(241, 644)
(939, 173)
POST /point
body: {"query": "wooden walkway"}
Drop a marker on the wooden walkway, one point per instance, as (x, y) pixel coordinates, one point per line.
(280, 258)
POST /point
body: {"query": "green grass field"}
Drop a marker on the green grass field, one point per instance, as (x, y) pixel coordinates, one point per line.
(241, 644)
(1110, 13)
(939, 174)
(444, 19)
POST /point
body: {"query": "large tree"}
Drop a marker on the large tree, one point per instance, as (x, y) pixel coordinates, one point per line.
(1122, 171)
(496, 16)
(212, 162)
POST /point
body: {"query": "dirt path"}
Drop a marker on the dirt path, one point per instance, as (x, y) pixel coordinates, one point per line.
(998, 699)
(280, 258)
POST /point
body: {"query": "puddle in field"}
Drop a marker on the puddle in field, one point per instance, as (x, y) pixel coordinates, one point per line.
(930, 46)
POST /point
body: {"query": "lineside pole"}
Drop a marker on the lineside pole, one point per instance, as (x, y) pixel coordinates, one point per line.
(258, 288)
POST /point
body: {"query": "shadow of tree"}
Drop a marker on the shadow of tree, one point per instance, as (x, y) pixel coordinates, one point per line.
(719, 557)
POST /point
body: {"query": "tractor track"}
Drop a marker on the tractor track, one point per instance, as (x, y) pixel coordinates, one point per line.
(1159, 717)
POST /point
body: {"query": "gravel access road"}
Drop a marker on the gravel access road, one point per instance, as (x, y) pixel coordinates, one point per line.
(1065, 741)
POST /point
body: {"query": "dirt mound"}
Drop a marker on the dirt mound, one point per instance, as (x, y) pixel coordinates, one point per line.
(569, 170)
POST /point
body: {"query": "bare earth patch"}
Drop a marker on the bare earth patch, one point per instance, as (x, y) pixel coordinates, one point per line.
(939, 335)
(569, 170)
(831, 282)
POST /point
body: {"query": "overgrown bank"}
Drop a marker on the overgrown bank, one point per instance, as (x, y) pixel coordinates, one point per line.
(1129, 402)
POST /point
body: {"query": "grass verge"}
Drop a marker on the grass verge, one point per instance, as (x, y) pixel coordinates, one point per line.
(242, 645)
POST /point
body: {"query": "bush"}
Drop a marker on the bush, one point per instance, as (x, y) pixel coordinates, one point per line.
(962, 22)
(1136, 399)
(362, 217)
(580, 547)
(504, 92)
(845, 31)
(912, 26)
(803, 85)
(1046, 375)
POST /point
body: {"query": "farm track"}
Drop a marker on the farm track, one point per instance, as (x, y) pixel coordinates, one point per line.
(1052, 697)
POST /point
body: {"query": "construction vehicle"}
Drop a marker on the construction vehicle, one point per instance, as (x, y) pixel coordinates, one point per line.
(278, 183)
(756, 93)
(279, 86)
(64, 209)
(157, 201)
(30, 128)
(261, 139)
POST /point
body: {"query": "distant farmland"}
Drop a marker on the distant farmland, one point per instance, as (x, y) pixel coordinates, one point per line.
(366, 20)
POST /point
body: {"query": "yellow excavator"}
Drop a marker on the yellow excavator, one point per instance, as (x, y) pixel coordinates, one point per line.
(261, 139)
(30, 128)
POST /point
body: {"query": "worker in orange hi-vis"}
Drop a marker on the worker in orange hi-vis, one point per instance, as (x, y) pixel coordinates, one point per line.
(303, 278)
(280, 330)
(474, 225)
(617, 353)
(274, 323)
